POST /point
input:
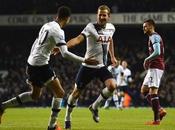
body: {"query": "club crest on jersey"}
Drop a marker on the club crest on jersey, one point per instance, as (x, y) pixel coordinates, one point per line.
(104, 39)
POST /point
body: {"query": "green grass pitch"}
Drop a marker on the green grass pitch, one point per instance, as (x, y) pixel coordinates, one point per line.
(112, 119)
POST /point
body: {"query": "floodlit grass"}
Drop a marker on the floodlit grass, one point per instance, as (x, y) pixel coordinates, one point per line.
(112, 119)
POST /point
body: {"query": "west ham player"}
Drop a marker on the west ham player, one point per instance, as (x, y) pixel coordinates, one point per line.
(154, 64)
(99, 42)
(39, 72)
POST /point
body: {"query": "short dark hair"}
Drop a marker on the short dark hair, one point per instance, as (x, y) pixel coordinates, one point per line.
(63, 12)
(151, 22)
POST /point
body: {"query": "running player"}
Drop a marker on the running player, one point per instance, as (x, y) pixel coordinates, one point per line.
(99, 42)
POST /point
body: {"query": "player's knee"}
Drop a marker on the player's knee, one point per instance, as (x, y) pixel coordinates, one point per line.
(76, 93)
(111, 85)
(144, 90)
(153, 90)
(111, 89)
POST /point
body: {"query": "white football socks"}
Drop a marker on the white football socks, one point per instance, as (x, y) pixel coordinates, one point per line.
(105, 93)
(56, 103)
(71, 103)
(22, 98)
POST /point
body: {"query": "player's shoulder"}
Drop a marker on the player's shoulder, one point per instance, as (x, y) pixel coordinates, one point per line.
(110, 26)
(155, 35)
(55, 28)
(127, 71)
(120, 67)
(91, 24)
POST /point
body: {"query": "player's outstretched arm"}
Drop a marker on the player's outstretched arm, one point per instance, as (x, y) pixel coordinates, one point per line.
(68, 55)
(75, 41)
(71, 43)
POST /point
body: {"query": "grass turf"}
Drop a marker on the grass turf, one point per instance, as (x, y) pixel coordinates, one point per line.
(112, 119)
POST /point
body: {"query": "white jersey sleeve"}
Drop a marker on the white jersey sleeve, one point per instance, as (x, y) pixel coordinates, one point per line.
(58, 37)
(90, 30)
(66, 54)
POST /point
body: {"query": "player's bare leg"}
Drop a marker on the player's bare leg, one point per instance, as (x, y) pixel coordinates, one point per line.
(58, 93)
(20, 99)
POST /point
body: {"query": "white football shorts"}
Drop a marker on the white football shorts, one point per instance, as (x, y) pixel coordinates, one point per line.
(153, 78)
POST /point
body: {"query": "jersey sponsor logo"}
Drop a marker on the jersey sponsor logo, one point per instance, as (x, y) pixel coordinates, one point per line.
(104, 39)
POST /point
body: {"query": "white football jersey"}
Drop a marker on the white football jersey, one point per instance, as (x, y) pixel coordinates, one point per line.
(50, 34)
(116, 72)
(124, 78)
(97, 42)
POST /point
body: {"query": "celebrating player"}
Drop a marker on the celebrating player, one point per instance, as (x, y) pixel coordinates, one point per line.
(99, 42)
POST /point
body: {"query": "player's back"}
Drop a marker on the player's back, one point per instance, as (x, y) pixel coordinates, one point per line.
(49, 35)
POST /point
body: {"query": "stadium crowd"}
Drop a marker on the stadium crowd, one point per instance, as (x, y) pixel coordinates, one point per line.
(133, 49)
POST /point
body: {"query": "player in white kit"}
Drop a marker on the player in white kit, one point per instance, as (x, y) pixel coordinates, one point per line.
(99, 42)
(40, 73)
(123, 82)
(116, 70)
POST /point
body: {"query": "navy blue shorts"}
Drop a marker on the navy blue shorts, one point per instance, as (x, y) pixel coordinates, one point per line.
(38, 75)
(86, 74)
